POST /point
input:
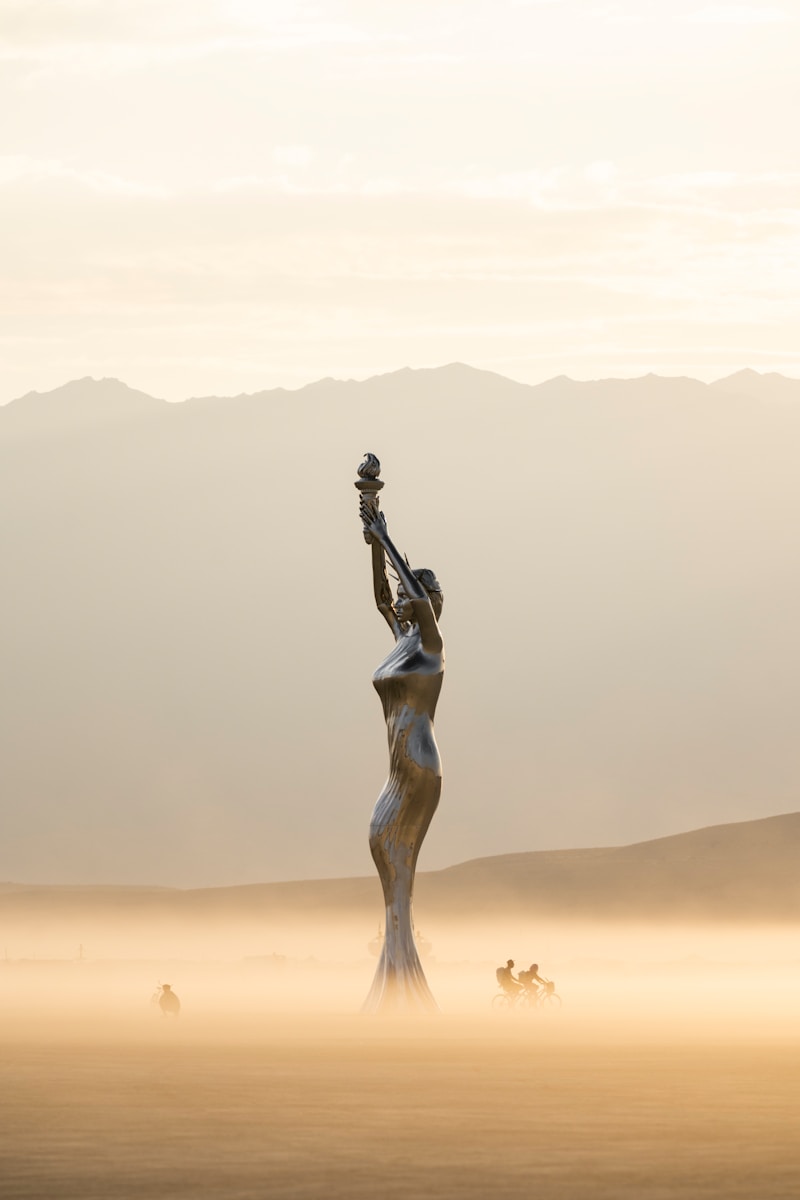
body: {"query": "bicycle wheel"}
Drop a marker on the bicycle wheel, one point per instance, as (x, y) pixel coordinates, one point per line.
(501, 1001)
(551, 1000)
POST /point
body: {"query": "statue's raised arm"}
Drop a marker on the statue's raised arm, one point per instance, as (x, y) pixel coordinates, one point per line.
(416, 590)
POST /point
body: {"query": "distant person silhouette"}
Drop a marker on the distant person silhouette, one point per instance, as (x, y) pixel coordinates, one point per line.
(507, 981)
(530, 978)
(168, 1002)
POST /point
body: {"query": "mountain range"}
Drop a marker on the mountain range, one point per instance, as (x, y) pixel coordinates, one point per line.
(189, 632)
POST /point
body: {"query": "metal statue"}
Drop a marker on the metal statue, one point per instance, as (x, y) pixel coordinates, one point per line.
(408, 682)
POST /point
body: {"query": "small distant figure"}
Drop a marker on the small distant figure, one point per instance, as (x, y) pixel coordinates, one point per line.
(505, 977)
(531, 980)
(168, 1002)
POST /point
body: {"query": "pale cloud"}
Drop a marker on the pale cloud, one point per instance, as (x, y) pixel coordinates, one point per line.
(108, 58)
(531, 186)
(292, 156)
(621, 14)
(738, 14)
(293, 191)
(555, 225)
(695, 179)
(21, 168)
(600, 172)
(281, 183)
(243, 183)
(59, 21)
(99, 37)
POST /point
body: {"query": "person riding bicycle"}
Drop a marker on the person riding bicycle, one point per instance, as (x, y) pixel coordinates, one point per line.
(531, 978)
(507, 981)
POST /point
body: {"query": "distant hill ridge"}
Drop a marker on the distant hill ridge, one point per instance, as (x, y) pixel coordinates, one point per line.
(746, 871)
(78, 395)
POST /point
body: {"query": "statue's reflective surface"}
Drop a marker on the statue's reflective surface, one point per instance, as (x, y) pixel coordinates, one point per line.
(408, 682)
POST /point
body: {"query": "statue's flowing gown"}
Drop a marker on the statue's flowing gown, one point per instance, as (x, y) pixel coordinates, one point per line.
(408, 682)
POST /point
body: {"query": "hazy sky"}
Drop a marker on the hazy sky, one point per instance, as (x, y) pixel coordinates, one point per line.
(222, 195)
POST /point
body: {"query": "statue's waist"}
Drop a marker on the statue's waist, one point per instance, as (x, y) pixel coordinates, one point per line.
(413, 740)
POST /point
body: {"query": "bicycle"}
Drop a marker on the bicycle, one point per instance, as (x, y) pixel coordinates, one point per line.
(546, 996)
(507, 1000)
(531, 998)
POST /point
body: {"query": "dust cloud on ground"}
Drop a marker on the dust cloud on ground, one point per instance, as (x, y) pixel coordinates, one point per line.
(670, 1069)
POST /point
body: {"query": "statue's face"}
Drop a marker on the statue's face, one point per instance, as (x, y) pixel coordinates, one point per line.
(403, 606)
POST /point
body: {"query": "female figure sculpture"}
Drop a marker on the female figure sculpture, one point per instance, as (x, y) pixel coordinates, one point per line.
(408, 682)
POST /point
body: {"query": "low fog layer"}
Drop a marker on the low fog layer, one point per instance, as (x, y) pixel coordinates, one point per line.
(660, 1072)
(613, 980)
(189, 631)
(731, 877)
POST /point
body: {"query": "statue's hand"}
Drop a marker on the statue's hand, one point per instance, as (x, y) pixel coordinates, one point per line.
(373, 520)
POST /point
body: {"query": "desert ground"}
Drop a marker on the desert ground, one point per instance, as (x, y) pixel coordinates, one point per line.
(664, 1074)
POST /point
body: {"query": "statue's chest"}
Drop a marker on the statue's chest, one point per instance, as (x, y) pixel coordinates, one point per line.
(407, 658)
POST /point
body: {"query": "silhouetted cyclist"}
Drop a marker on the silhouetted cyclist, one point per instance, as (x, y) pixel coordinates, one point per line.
(531, 978)
(507, 981)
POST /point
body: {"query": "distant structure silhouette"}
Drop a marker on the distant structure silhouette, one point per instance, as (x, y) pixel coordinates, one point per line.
(168, 1002)
(375, 945)
(408, 682)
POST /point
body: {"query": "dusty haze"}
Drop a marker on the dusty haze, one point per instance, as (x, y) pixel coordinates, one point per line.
(670, 1070)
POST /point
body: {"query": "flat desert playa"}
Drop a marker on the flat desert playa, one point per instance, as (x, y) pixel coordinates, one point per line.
(561, 1105)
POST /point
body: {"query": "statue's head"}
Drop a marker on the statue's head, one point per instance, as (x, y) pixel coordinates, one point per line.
(433, 589)
(403, 605)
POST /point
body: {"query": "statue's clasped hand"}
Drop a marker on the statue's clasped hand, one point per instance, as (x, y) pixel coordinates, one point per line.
(372, 519)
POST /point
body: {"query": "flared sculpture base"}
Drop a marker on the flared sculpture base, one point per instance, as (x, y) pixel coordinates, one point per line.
(399, 988)
(399, 985)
